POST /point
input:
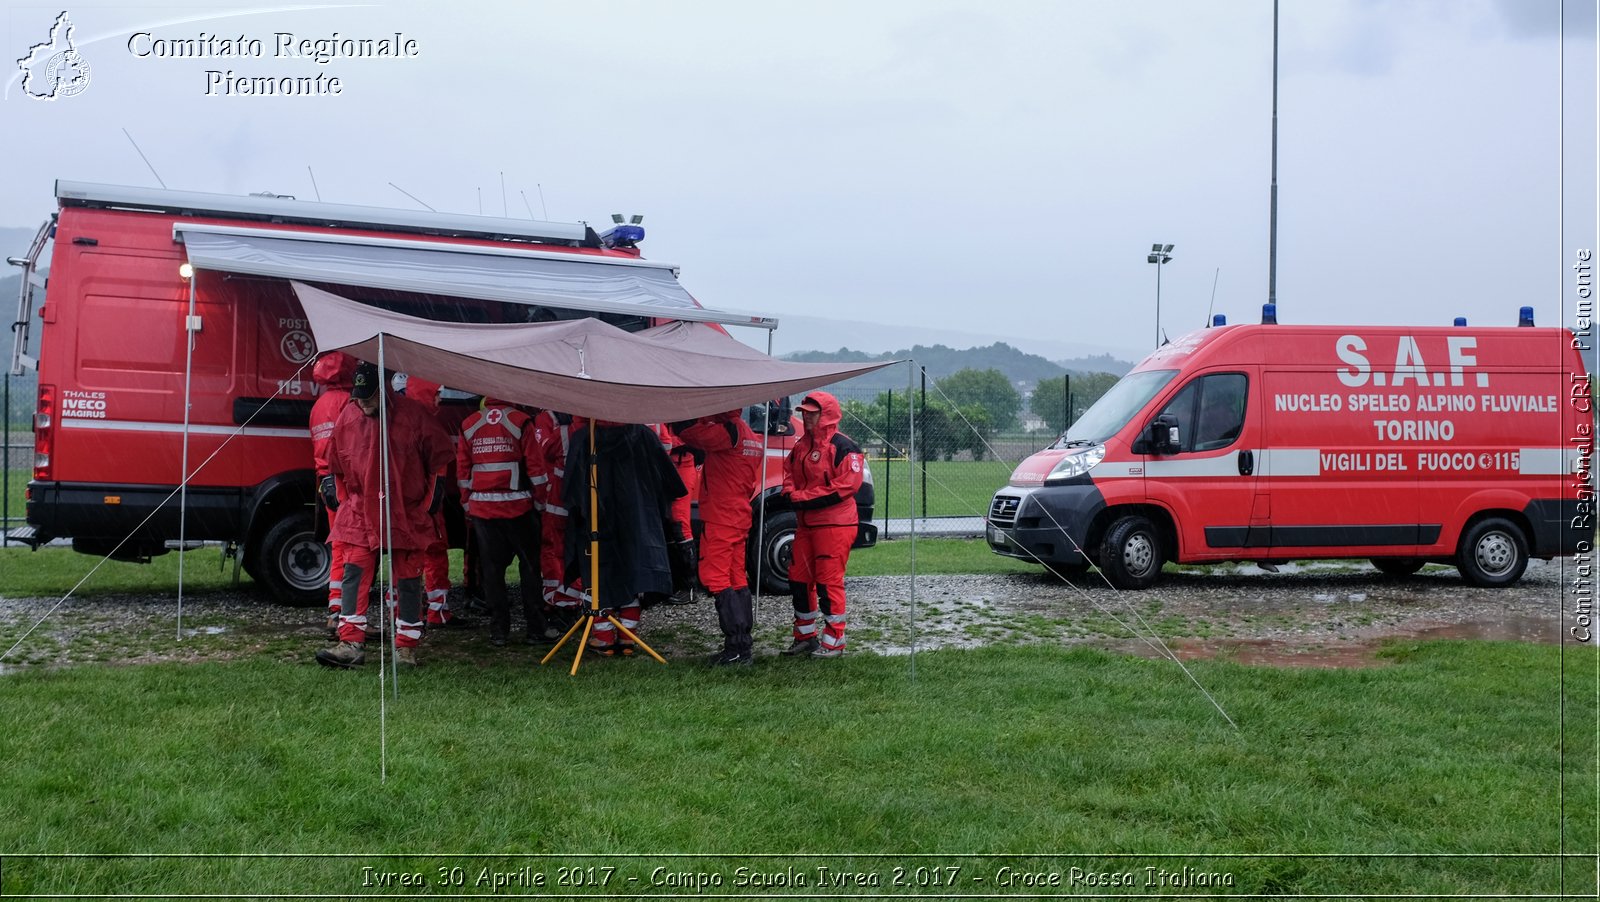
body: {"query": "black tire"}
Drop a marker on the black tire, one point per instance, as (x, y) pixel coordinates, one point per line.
(1493, 553)
(776, 552)
(1131, 554)
(1398, 566)
(290, 563)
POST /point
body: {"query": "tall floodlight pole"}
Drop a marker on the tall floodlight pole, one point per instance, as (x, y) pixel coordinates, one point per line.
(1160, 254)
(1272, 249)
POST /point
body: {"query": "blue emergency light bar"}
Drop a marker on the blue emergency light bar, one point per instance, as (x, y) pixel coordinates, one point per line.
(1461, 321)
(1525, 316)
(1219, 320)
(1269, 314)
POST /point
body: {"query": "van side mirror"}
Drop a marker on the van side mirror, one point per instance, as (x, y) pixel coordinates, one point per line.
(1164, 436)
(771, 417)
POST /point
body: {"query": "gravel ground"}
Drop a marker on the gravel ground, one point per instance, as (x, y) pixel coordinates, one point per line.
(1334, 614)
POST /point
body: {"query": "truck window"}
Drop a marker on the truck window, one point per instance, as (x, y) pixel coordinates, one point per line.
(1209, 411)
(1116, 407)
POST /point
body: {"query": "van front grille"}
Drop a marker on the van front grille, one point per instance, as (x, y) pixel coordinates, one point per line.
(1003, 512)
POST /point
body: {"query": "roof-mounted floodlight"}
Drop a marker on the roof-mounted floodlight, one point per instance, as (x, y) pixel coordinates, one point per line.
(616, 218)
(636, 218)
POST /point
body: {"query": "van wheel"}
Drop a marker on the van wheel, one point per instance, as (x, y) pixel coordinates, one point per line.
(290, 563)
(1131, 554)
(777, 552)
(1492, 553)
(1397, 566)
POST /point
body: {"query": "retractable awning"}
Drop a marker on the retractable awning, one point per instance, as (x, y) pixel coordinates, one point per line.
(588, 282)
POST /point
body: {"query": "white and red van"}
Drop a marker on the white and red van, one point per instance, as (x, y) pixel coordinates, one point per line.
(114, 363)
(1406, 445)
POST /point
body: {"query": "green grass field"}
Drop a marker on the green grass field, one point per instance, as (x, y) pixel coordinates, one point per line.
(1044, 759)
(956, 488)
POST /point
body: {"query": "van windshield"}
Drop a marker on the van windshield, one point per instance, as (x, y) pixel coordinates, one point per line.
(1116, 407)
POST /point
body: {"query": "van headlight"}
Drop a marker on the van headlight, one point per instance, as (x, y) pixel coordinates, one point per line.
(1075, 465)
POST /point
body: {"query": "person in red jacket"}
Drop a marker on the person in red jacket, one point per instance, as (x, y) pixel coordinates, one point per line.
(501, 466)
(562, 596)
(731, 475)
(412, 482)
(333, 372)
(687, 460)
(820, 479)
(436, 559)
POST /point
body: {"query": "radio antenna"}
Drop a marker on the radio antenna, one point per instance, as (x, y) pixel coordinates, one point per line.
(412, 196)
(1213, 304)
(503, 212)
(542, 208)
(525, 202)
(145, 158)
(314, 188)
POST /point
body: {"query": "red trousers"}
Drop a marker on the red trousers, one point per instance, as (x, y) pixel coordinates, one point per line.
(816, 577)
(336, 577)
(360, 565)
(722, 557)
(558, 593)
(436, 575)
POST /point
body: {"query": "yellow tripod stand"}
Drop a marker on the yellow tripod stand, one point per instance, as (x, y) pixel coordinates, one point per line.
(594, 611)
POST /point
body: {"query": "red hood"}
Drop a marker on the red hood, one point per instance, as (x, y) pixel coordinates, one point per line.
(828, 418)
(423, 392)
(335, 369)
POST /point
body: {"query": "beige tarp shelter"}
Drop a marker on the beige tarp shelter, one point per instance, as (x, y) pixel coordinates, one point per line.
(585, 367)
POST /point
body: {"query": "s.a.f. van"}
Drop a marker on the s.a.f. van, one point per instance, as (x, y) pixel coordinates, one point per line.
(1463, 445)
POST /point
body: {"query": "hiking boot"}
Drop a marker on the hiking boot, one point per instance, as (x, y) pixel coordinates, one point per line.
(406, 656)
(497, 638)
(825, 652)
(730, 658)
(800, 647)
(344, 655)
(680, 598)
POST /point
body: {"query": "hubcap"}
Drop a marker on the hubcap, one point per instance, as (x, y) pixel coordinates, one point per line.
(1496, 553)
(782, 553)
(305, 563)
(1138, 553)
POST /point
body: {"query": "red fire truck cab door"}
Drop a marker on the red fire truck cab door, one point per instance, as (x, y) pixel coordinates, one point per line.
(1209, 482)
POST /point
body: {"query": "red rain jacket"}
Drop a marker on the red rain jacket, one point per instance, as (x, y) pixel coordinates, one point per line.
(732, 470)
(419, 452)
(824, 471)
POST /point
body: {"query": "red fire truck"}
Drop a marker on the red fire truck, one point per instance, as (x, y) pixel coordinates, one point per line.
(119, 350)
(1404, 445)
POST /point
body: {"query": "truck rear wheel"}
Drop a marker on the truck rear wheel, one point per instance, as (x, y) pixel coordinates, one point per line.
(1131, 555)
(1493, 553)
(291, 563)
(1397, 566)
(777, 552)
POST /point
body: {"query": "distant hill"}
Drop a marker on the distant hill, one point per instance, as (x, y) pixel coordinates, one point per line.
(1024, 370)
(1102, 363)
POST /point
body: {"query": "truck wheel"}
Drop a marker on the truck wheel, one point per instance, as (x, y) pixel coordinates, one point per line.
(290, 563)
(1131, 554)
(777, 552)
(1397, 566)
(1492, 553)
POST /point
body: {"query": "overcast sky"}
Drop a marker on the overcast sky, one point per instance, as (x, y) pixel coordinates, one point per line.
(995, 169)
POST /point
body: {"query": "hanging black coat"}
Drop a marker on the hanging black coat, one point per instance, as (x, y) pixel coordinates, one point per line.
(635, 487)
